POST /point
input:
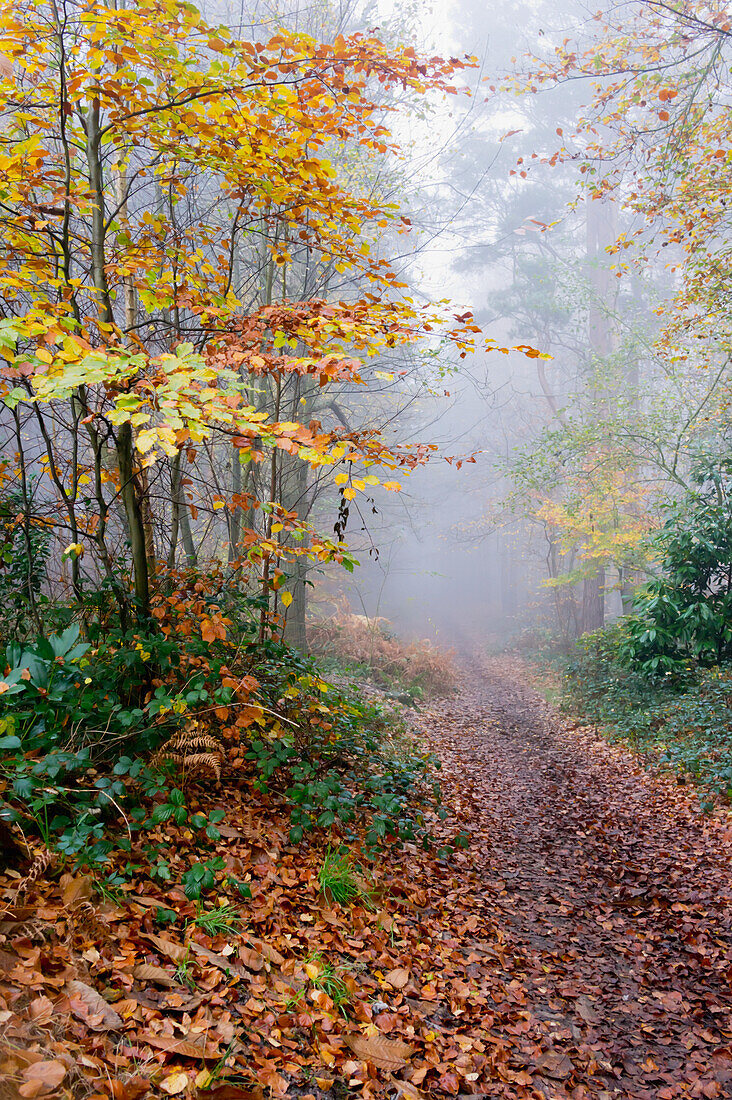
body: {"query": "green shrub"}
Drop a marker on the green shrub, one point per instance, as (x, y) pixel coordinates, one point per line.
(63, 728)
(685, 615)
(78, 722)
(683, 722)
(338, 765)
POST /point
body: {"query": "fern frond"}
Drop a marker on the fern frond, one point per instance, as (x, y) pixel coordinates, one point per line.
(194, 752)
(41, 862)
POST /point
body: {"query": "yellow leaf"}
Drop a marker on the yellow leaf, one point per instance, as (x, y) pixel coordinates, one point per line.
(218, 504)
(286, 598)
(145, 440)
(174, 1084)
(341, 479)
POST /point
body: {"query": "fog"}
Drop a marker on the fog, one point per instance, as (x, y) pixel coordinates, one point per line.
(549, 471)
(454, 558)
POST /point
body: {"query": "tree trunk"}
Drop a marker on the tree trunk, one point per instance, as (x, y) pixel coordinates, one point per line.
(601, 232)
(593, 601)
(133, 514)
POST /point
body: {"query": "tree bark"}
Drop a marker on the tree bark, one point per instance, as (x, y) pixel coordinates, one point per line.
(133, 514)
(601, 231)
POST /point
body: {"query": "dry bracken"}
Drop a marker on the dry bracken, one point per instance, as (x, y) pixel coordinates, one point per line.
(194, 752)
(41, 862)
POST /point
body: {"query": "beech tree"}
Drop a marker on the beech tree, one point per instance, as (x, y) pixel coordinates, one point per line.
(143, 152)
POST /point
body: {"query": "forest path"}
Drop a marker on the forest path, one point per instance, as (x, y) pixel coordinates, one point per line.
(603, 902)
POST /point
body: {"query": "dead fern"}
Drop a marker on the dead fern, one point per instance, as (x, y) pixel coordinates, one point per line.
(87, 925)
(194, 752)
(41, 863)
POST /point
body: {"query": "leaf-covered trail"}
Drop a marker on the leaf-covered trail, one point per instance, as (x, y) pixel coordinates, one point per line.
(579, 949)
(604, 898)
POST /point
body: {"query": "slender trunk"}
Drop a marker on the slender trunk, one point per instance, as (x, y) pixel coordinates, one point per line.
(26, 523)
(235, 519)
(125, 445)
(175, 479)
(189, 546)
(601, 231)
(593, 601)
(295, 499)
(135, 525)
(264, 617)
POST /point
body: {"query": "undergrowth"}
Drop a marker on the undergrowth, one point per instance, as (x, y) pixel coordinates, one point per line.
(416, 670)
(681, 722)
(105, 736)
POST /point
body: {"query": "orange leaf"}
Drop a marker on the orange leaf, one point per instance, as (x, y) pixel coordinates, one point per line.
(41, 1077)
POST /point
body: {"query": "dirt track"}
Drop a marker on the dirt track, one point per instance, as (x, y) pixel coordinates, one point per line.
(603, 897)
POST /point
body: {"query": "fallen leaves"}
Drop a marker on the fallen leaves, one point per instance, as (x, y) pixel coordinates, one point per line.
(41, 1077)
(91, 1007)
(568, 953)
(388, 1054)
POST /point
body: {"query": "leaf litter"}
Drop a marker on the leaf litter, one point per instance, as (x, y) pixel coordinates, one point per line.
(579, 948)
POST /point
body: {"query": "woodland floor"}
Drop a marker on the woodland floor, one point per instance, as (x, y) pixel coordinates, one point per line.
(581, 947)
(604, 902)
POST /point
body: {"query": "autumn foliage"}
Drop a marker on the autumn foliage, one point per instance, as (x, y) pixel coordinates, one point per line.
(159, 222)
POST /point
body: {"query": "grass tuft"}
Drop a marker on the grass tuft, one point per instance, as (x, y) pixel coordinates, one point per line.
(218, 922)
(337, 878)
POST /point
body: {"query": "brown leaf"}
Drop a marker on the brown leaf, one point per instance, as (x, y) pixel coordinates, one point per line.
(584, 1008)
(270, 953)
(252, 960)
(172, 950)
(75, 889)
(41, 1010)
(145, 972)
(131, 1089)
(186, 1047)
(397, 978)
(553, 1064)
(405, 1090)
(388, 1054)
(91, 1007)
(148, 902)
(219, 960)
